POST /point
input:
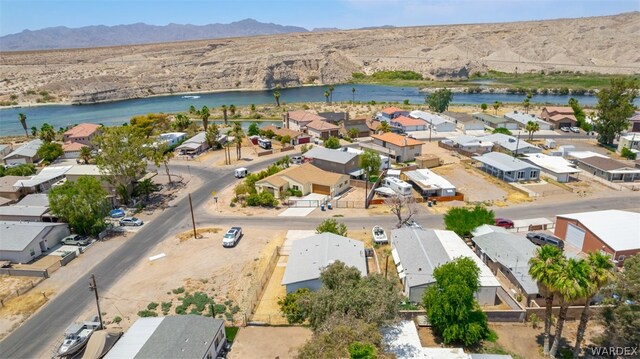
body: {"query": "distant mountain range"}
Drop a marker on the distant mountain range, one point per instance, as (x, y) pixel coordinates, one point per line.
(62, 37)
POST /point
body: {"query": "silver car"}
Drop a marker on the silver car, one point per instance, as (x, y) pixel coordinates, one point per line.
(131, 221)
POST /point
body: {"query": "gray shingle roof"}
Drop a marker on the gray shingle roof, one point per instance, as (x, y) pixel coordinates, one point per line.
(512, 252)
(511, 143)
(35, 199)
(504, 162)
(420, 252)
(330, 155)
(310, 255)
(29, 149)
(21, 234)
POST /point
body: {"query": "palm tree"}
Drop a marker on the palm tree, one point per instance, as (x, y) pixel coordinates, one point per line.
(232, 109)
(384, 127)
(353, 94)
(238, 135)
(146, 187)
(34, 131)
(224, 113)
(544, 268)
(47, 133)
(286, 160)
(532, 127)
(205, 117)
(23, 121)
(600, 275)
(276, 95)
(496, 106)
(192, 109)
(526, 104)
(85, 154)
(571, 283)
(326, 96)
(331, 93)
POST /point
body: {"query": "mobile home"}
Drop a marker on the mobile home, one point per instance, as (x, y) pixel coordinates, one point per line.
(400, 187)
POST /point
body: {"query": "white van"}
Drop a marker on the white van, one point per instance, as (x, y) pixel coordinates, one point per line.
(241, 172)
(296, 160)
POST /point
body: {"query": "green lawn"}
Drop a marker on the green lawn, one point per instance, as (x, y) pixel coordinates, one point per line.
(231, 333)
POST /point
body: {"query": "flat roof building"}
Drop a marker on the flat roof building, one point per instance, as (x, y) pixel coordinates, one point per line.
(609, 169)
(507, 168)
(430, 184)
(523, 119)
(554, 166)
(511, 144)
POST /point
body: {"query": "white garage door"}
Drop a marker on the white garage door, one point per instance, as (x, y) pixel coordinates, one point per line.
(575, 235)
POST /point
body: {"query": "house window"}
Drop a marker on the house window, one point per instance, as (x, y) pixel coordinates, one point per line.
(32, 252)
(296, 188)
(520, 174)
(534, 174)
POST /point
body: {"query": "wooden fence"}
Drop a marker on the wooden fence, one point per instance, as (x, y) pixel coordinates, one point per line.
(20, 291)
(257, 287)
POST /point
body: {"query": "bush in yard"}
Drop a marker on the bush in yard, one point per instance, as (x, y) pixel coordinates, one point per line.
(503, 131)
(628, 154)
(152, 306)
(463, 220)
(165, 307)
(267, 199)
(253, 200)
(332, 226)
(332, 143)
(178, 290)
(147, 313)
(290, 308)
(117, 320)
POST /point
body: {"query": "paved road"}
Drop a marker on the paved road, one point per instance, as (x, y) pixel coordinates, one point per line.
(30, 339)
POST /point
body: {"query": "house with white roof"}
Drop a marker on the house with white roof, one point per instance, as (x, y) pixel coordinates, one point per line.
(511, 144)
(437, 123)
(194, 145)
(430, 184)
(464, 121)
(171, 138)
(43, 180)
(469, 143)
(23, 242)
(507, 168)
(523, 119)
(417, 252)
(27, 153)
(614, 232)
(554, 166)
(630, 141)
(309, 256)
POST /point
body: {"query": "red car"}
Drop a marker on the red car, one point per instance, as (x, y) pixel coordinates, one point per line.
(503, 222)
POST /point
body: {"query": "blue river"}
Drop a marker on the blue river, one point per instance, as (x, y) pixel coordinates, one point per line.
(119, 112)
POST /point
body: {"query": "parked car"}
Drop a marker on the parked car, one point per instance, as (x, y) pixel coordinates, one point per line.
(413, 224)
(296, 160)
(116, 213)
(541, 239)
(503, 222)
(232, 236)
(575, 129)
(565, 129)
(75, 240)
(131, 221)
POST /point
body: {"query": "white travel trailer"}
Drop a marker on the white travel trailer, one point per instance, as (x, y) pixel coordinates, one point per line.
(241, 172)
(400, 187)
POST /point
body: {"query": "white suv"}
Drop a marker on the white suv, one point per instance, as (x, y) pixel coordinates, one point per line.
(231, 237)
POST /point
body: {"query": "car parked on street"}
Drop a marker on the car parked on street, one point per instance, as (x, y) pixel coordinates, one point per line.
(131, 221)
(232, 237)
(541, 239)
(75, 240)
(503, 222)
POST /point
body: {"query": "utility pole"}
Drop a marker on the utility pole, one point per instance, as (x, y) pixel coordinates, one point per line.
(386, 266)
(193, 220)
(517, 145)
(366, 190)
(94, 287)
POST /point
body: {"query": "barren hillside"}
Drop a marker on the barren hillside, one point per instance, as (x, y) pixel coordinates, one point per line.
(601, 44)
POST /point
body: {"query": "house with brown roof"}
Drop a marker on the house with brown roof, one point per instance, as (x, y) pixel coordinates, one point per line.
(321, 129)
(405, 124)
(400, 148)
(72, 149)
(390, 113)
(297, 120)
(297, 137)
(559, 116)
(305, 178)
(361, 124)
(464, 121)
(609, 169)
(8, 190)
(334, 117)
(83, 133)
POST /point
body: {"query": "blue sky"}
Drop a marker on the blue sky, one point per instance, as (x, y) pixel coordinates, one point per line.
(17, 15)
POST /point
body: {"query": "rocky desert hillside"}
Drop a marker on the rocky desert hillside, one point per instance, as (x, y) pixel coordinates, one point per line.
(600, 44)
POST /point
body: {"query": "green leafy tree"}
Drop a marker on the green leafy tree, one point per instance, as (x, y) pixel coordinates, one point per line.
(23, 121)
(162, 155)
(49, 151)
(254, 129)
(332, 226)
(496, 105)
(276, 96)
(359, 350)
(578, 112)
(384, 127)
(146, 187)
(544, 268)
(451, 305)
(205, 114)
(85, 154)
(155, 123)
(622, 318)
(353, 132)
(615, 107)
(232, 109)
(290, 308)
(122, 159)
(26, 169)
(439, 100)
(332, 142)
(285, 140)
(81, 203)
(370, 162)
(212, 135)
(326, 96)
(192, 109)
(47, 133)
(571, 283)
(181, 122)
(531, 128)
(502, 130)
(600, 275)
(253, 108)
(484, 107)
(463, 220)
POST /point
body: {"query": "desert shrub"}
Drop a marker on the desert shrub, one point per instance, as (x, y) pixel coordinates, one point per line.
(178, 290)
(147, 313)
(152, 306)
(117, 320)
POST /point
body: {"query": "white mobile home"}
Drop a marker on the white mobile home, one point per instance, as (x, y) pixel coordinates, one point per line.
(400, 187)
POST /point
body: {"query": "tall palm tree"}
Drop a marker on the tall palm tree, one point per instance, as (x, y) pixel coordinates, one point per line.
(23, 121)
(526, 104)
(331, 93)
(238, 135)
(571, 283)
(232, 109)
(532, 127)
(224, 113)
(600, 274)
(326, 96)
(34, 131)
(353, 95)
(205, 117)
(384, 127)
(496, 106)
(276, 95)
(544, 268)
(85, 154)
(47, 133)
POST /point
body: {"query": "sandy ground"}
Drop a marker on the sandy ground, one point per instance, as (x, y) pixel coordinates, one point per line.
(475, 188)
(269, 342)
(268, 310)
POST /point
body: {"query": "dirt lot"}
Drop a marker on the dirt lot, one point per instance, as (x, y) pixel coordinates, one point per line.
(268, 310)
(446, 156)
(476, 188)
(269, 342)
